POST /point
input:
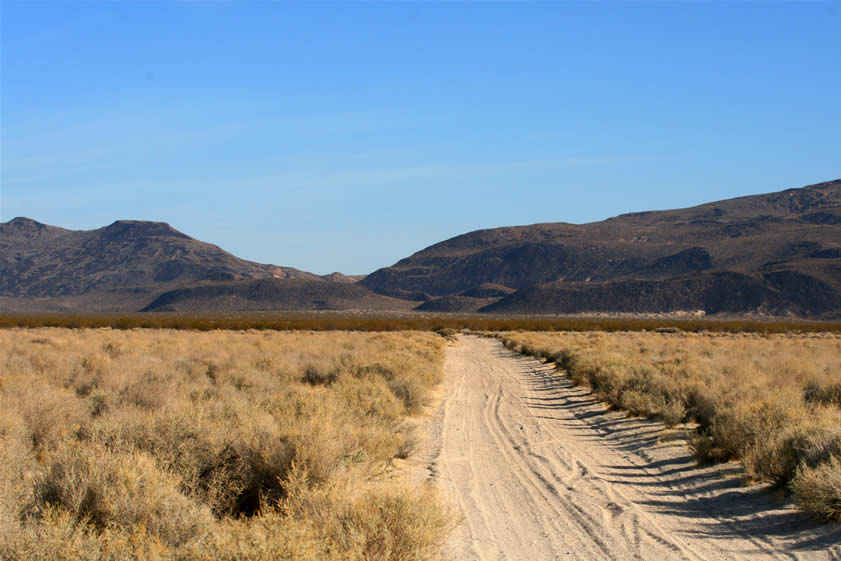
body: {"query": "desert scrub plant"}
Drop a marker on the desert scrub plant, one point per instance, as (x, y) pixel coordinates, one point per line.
(447, 333)
(59, 536)
(374, 523)
(810, 443)
(164, 444)
(771, 401)
(105, 489)
(818, 489)
(829, 394)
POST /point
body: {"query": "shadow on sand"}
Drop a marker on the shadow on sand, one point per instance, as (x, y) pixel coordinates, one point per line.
(715, 497)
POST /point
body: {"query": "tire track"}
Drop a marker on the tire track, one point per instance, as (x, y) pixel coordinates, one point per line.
(540, 471)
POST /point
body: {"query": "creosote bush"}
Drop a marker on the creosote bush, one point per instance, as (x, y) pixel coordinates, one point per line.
(771, 401)
(161, 444)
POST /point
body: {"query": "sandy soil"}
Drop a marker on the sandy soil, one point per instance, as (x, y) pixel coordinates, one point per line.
(540, 470)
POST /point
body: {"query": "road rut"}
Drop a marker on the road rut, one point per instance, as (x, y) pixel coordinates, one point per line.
(540, 470)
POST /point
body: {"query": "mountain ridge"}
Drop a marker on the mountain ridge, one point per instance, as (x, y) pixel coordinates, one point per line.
(273, 294)
(39, 260)
(796, 230)
(775, 254)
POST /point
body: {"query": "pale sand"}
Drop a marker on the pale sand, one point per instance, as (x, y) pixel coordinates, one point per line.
(540, 470)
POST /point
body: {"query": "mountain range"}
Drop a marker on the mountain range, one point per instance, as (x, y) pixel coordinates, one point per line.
(778, 253)
(774, 254)
(132, 265)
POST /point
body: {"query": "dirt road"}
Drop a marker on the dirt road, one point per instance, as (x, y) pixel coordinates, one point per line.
(541, 471)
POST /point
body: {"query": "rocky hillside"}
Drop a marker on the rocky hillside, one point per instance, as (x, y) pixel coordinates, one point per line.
(131, 265)
(778, 253)
(776, 293)
(273, 294)
(37, 260)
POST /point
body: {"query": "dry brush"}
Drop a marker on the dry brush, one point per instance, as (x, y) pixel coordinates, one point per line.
(164, 444)
(771, 401)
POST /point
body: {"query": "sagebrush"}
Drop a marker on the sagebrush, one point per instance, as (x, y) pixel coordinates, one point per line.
(771, 401)
(163, 444)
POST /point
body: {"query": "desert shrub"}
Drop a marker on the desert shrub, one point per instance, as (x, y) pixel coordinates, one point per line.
(184, 445)
(673, 412)
(746, 422)
(149, 391)
(48, 413)
(818, 489)
(446, 332)
(410, 392)
(821, 444)
(374, 369)
(61, 537)
(829, 394)
(701, 403)
(15, 447)
(126, 491)
(409, 444)
(374, 524)
(636, 402)
(771, 401)
(318, 375)
(264, 463)
(778, 455)
(705, 448)
(268, 537)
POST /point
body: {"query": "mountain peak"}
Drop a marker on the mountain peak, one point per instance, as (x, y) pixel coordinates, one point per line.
(340, 277)
(131, 229)
(24, 222)
(38, 260)
(27, 228)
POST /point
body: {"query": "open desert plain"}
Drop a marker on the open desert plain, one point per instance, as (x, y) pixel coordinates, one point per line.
(404, 445)
(160, 444)
(420, 281)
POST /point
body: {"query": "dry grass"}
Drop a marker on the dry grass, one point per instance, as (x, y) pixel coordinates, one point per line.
(160, 444)
(769, 400)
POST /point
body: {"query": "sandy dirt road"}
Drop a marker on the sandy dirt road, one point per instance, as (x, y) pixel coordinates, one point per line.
(540, 470)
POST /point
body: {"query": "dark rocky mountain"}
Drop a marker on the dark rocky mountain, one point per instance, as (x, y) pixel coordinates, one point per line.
(785, 292)
(339, 277)
(273, 294)
(37, 260)
(778, 253)
(468, 301)
(455, 304)
(127, 265)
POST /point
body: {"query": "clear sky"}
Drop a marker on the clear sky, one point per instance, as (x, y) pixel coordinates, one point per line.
(347, 136)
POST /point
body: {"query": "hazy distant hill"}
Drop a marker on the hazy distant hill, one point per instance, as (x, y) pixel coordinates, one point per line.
(776, 253)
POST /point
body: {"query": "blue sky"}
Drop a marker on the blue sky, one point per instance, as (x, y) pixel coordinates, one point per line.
(347, 136)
